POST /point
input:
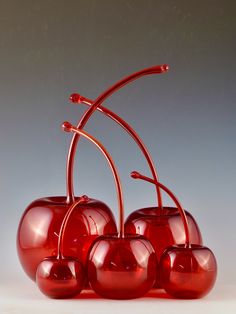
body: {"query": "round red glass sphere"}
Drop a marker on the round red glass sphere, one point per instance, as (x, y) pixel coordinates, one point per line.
(122, 268)
(60, 278)
(187, 272)
(40, 224)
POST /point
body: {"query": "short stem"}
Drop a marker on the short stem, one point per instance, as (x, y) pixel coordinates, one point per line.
(70, 128)
(137, 175)
(71, 154)
(64, 225)
(76, 98)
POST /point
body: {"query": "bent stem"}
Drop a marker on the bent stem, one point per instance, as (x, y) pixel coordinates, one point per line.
(64, 225)
(71, 154)
(76, 98)
(137, 175)
(67, 127)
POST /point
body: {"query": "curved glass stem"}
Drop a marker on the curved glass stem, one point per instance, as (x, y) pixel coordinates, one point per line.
(70, 128)
(137, 175)
(71, 154)
(64, 225)
(76, 98)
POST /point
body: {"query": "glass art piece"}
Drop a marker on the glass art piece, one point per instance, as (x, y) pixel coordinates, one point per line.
(70, 243)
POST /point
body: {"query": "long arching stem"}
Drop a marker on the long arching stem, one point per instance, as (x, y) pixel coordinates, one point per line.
(71, 154)
(70, 128)
(76, 98)
(137, 175)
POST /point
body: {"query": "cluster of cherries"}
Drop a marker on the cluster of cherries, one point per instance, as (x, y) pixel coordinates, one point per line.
(69, 243)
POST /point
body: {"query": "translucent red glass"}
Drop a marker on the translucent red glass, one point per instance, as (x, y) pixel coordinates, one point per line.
(163, 227)
(39, 227)
(122, 268)
(119, 266)
(60, 278)
(187, 272)
(65, 241)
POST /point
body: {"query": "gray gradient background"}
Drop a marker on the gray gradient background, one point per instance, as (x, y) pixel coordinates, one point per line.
(49, 49)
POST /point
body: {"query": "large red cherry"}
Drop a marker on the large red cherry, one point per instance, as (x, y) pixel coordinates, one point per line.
(119, 266)
(39, 227)
(122, 268)
(188, 272)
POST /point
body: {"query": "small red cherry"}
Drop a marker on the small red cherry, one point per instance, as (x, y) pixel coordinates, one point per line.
(60, 277)
(188, 272)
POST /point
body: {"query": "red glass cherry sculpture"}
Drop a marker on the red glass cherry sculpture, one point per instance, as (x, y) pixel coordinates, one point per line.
(61, 276)
(119, 266)
(188, 270)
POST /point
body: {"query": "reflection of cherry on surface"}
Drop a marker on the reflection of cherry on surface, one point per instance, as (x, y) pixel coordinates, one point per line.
(119, 266)
(185, 271)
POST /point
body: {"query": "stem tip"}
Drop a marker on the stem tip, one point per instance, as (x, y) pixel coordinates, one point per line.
(165, 67)
(66, 126)
(75, 98)
(135, 175)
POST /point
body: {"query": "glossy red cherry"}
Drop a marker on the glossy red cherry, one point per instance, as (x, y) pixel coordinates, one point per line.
(39, 227)
(122, 268)
(188, 272)
(119, 266)
(60, 278)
